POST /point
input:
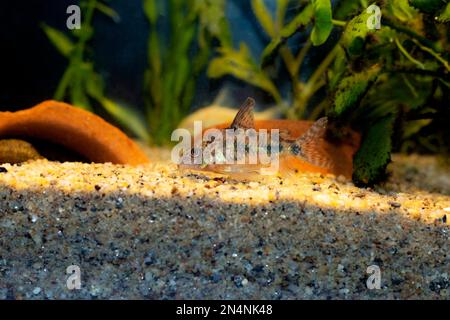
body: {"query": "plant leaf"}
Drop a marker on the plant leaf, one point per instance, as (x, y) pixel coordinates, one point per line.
(151, 11)
(183, 72)
(63, 84)
(428, 6)
(61, 42)
(337, 71)
(445, 15)
(355, 33)
(298, 23)
(85, 33)
(322, 22)
(78, 96)
(240, 65)
(126, 117)
(346, 8)
(95, 86)
(352, 89)
(212, 19)
(264, 17)
(280, 13)
(413, 127)
(110, 12)
(374, 155)
(401, 10)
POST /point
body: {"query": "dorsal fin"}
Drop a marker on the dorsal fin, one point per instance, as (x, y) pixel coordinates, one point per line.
(311, 146)
(317, 131)
(244, 118)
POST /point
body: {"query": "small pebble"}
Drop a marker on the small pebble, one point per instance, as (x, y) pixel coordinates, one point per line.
(119, 203)
(308, 291)
(216, 277)
(95, 291)
(238, 281)
(3, 293)
(253, 184)
(37, 266)
(344, 291)
(36, 291)
(150, 258)
(3, 170)
(394, 204)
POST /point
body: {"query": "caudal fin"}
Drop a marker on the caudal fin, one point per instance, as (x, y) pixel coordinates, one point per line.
(312, 146)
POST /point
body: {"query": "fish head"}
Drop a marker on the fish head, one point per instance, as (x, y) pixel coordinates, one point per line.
(209, 150)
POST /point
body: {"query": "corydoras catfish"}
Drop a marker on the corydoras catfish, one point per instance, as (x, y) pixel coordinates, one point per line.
(300, 146)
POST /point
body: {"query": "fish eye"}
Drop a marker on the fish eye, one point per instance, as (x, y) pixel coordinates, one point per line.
(295, 149)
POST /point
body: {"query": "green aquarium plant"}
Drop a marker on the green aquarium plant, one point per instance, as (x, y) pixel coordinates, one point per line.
(389, 78)
(174, 63)
(239, 63)
(80, 84)
(395, 81)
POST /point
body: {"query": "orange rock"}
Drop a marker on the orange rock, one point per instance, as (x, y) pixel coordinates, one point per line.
(74, 129)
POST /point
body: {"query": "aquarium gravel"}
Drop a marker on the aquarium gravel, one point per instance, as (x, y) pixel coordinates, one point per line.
(152, 232)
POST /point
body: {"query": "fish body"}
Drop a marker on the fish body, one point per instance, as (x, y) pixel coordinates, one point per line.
(303, 146)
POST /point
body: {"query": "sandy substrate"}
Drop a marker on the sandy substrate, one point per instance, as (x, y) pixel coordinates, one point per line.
(153, 232)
